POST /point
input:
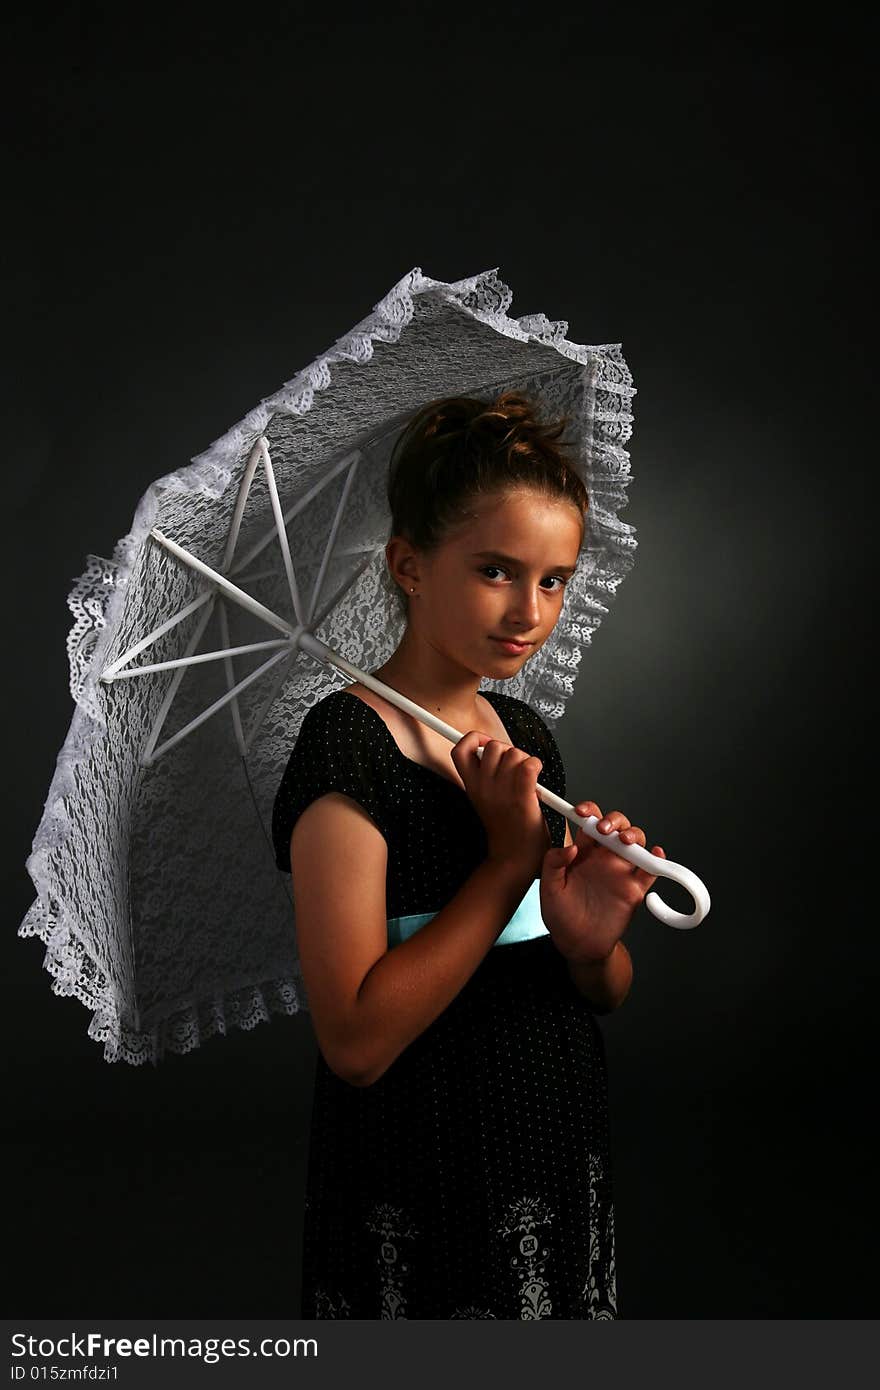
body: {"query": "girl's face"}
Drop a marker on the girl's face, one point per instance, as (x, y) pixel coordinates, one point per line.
(502, 575)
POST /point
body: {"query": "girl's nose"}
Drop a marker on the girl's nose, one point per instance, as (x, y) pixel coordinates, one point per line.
(524, 611)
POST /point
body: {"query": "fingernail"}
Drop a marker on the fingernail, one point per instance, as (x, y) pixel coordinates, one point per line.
(604, 825)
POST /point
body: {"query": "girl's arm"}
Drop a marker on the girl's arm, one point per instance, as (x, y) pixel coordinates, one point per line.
(606, 985)
(367, 1002)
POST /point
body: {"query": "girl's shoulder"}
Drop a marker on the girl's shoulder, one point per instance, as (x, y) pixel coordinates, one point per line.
(336, 708)
(512, 710)
(335, 750)
(341, 723)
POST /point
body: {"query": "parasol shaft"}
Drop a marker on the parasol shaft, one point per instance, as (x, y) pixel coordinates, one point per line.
(635, 854)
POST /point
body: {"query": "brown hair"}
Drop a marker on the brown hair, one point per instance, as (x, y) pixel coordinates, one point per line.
(456, 449)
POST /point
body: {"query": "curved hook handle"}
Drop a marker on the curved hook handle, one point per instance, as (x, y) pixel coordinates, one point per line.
(653, 864)
(642, 859)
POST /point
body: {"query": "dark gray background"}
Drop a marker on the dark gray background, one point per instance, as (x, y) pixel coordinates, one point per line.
(194, 216)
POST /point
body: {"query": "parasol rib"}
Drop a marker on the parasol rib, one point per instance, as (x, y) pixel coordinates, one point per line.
(331, 539)
(218, 704)
(280, 529)
(201, 656)
(230, 670)
(146, 756)
(110, 671)
(297, 507)
(239, 596)
(244, 488)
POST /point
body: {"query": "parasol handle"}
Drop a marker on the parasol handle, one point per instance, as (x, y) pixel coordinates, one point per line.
(643, 859)
(635, 854)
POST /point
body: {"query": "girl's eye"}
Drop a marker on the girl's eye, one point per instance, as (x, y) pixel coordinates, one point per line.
(558, 577)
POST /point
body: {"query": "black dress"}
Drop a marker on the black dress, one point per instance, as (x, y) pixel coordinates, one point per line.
(472, 1180)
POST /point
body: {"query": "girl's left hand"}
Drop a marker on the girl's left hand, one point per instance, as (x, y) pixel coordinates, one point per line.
(588, 893)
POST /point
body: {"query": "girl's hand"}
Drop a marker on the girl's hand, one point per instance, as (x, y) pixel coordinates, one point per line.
(588, 893)
(501, 786)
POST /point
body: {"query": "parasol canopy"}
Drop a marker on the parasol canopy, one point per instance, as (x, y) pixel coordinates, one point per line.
(193, 656)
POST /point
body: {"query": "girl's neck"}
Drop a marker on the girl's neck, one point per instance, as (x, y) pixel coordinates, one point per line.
(426, 677)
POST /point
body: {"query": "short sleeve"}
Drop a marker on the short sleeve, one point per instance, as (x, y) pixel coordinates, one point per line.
(333, 753)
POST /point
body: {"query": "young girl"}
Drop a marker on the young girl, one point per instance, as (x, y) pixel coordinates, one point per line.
(455, 943)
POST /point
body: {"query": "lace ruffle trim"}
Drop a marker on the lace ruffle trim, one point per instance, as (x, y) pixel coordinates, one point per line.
(75, 974)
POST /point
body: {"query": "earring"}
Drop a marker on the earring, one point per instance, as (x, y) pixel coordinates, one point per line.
(412, 591)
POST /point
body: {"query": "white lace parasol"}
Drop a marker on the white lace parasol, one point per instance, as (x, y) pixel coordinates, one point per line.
(158, 899)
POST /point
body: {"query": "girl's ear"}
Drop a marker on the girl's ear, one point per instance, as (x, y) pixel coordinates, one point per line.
(402, 562)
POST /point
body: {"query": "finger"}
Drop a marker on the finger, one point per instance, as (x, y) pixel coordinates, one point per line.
(634, 835)
(586, 843)
(642, 877)
(516, 762)
(527, 768)
(555, 865)
(585, 809)
(464, 753)
(615, 820)
(470, 742)
(494, 751)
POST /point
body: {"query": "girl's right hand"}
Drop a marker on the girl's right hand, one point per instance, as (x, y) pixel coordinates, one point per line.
(501, 784)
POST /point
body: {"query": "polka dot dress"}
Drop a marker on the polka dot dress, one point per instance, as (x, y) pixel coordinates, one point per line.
(472, 1180)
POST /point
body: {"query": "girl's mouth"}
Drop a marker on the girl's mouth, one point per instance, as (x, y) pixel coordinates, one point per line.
(512, 648)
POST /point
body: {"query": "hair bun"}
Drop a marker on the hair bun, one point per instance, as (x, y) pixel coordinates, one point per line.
(512, 414)
(455, 449)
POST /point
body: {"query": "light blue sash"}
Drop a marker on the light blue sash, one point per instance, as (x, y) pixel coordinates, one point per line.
(525, 923)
